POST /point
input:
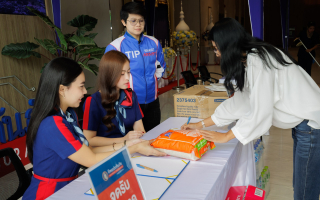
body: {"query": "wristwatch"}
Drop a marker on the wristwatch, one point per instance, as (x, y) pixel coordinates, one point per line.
(203, 125)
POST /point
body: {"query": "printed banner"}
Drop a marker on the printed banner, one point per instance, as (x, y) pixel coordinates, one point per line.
(114, 178)
(19, 146)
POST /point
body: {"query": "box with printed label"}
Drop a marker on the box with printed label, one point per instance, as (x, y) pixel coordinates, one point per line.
(254, 193)
(197, 102)
(245, 193)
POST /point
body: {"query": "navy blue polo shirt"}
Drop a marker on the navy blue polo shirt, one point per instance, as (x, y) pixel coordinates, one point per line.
(94, 113)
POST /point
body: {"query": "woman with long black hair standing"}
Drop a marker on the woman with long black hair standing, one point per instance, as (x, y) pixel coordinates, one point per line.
(271, 89)
(56, 145)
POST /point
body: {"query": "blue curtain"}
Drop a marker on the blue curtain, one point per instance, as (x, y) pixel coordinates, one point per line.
(256, 18)
(56, 10)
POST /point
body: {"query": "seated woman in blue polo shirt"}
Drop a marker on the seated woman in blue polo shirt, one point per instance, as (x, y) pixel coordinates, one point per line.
(112, 114)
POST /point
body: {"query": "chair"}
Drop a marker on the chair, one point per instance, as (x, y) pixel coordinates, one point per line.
(189, 78)
(205, 74)
(14, 184)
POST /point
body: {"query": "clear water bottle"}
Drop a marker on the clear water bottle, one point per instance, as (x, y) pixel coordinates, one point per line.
(263, 181)
(268, 172)
(267, 184)
(260, 182)
(257, 159)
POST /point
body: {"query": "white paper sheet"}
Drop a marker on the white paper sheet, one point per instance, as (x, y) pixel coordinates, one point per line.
(154, 184)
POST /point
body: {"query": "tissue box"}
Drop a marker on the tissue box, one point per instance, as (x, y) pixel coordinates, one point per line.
(245, 193)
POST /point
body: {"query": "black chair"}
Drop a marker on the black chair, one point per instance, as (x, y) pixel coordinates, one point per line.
(16, 182)
(206, 75)
(189, 78)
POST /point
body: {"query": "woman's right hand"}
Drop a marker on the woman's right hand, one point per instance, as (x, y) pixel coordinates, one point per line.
(191, 126)
(145, 148)
(131, 135)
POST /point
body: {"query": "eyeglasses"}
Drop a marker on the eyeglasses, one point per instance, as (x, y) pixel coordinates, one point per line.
(133, 22)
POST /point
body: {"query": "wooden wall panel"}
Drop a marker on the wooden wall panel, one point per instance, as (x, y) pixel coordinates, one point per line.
(97, 9)
(21, 28)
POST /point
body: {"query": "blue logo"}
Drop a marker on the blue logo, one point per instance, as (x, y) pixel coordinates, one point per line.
(168, 134)
(105, 176)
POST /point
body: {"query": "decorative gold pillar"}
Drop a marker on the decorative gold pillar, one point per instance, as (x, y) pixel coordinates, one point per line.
(171, 18)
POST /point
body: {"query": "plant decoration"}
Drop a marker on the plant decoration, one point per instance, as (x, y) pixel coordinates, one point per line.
(184, 38)
(76, 45)
(168, 52)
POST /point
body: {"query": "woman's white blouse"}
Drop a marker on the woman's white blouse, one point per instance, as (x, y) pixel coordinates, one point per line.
(282, 97)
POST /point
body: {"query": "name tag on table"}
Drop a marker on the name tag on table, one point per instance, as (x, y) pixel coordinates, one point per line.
(114, 178)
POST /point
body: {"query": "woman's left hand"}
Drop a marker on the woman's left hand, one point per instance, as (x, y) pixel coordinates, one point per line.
(217, 137)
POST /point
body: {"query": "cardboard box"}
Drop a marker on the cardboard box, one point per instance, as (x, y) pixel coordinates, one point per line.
(197, 102)
(245, 193)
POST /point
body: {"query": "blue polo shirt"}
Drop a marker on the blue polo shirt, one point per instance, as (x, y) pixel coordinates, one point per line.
(54, 143)
(94, 113)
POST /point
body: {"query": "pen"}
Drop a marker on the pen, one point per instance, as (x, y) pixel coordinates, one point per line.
(189, 119)
(145, 167)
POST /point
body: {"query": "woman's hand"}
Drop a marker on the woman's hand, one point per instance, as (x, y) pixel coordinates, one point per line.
(131, 135)
(133, 142)
(308, 50)
(191, 126)
(146, 149)
(217, 137)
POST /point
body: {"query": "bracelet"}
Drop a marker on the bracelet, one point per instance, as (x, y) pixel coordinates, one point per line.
(113, 146)
(203, 125)
(124, 142)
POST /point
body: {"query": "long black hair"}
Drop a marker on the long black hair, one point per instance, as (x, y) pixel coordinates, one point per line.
(59, 71)
(233, 41)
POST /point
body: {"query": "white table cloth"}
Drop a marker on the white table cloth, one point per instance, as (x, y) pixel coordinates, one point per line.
(229, 164)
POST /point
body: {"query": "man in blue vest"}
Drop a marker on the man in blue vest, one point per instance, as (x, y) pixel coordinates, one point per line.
(147, 64)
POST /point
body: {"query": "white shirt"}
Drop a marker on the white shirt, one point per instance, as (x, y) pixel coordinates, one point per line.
(281, 97)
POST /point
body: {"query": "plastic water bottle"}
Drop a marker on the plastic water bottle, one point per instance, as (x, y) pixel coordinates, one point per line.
(267, 184)
(256, 158)
(260, 182)
(263, 180)
(260, 149)
(268, 172)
